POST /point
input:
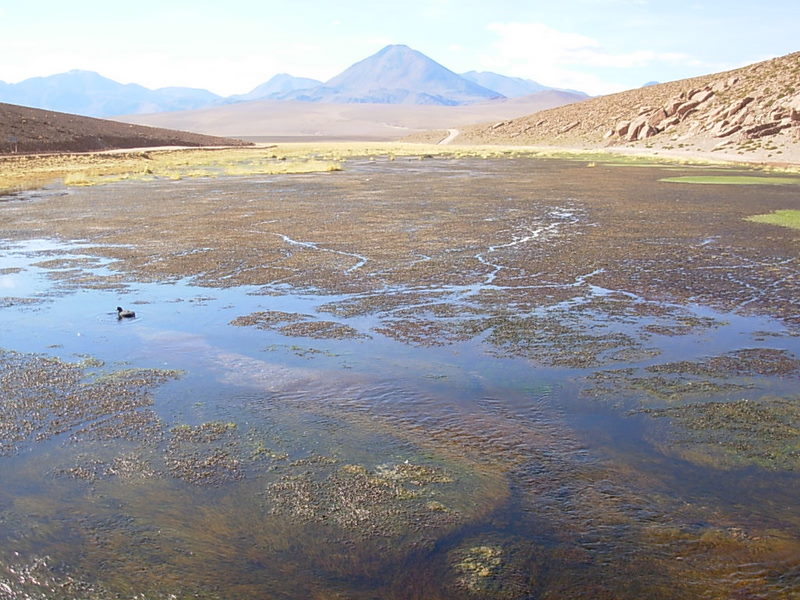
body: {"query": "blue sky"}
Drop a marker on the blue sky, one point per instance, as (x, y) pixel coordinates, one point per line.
(597, 46)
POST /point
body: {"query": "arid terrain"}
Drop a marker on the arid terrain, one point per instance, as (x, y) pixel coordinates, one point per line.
(29, 130)
(286, 120)
(752, 113)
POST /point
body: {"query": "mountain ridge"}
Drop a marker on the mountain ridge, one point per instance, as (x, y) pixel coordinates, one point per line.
(88, 93)
(396, 74)
(510, 87)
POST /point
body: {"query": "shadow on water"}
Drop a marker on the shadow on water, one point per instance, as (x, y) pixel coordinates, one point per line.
(505, 434)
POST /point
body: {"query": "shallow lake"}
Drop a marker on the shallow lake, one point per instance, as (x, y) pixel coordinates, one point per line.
(444, 378)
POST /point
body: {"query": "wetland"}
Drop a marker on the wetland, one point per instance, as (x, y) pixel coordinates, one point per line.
(426, 376)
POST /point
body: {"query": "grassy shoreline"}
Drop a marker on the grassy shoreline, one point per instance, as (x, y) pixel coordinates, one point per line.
(23, 172)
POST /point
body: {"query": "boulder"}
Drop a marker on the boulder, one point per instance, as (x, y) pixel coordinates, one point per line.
(719, 86)
(666, 123)
(622, 128)
(701, 96)
(672, 107)
(657, 117)
(728, 131)
(569, 127)
(684, 108)
(646, 131)
(756, 130)
(765, 129)
(719, 126)
(716, 113)
(737, 106)
(794, 109)
(635, 128)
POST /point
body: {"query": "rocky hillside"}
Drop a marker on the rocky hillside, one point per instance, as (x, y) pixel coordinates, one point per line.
(30, 130)
(752, 112)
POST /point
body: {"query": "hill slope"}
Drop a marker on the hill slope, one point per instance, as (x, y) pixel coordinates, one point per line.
(751, 112)
(397, 74)
(31, 130)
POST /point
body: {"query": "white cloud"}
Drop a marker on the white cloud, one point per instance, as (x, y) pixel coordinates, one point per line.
(563, 59)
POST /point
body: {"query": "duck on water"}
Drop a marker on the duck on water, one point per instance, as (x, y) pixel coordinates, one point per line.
(125, 314)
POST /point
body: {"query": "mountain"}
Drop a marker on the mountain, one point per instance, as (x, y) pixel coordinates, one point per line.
(397, 74)
(90, 94)
(27, 130)
(278, 86)
(510, 87)
(749, 112)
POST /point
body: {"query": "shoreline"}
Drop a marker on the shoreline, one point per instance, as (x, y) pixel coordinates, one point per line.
(19, 172)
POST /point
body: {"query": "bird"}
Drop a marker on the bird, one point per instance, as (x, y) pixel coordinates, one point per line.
(125, 314)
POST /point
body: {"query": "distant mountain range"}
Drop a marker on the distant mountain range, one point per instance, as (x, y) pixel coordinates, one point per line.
(512, 87)
(90, 94)
(280, 85)
(396, 74)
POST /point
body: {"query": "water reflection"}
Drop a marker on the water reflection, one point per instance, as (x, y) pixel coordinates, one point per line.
(453, 449)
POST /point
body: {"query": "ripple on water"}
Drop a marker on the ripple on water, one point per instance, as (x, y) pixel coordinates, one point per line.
(473, 398)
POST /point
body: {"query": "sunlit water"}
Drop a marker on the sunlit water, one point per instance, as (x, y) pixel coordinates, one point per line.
(540, 491)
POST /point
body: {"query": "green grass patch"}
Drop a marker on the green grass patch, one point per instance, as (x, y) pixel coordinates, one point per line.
(734, 180)
(784, 218)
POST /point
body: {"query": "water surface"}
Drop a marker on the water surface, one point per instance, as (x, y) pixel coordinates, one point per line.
(412, 379)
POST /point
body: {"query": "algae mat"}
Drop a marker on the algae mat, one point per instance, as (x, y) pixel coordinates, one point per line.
(438, 378)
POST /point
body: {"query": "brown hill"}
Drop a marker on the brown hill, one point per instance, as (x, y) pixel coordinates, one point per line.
(284, 119)
(752, 112)
(30, 130)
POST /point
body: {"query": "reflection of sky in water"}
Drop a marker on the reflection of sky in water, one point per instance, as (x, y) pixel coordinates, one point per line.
(441, 395)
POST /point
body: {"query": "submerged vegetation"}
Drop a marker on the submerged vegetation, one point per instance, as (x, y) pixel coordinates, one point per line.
(763, 432)
(524, 371)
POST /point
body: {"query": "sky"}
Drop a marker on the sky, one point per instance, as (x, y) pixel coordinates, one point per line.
(230, 47)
